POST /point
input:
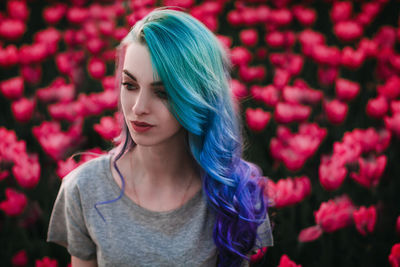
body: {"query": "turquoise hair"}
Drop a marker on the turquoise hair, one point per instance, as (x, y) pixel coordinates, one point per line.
(195, 71)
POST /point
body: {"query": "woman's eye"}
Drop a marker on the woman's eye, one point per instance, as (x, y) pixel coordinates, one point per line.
(129, 86)
(162, 94)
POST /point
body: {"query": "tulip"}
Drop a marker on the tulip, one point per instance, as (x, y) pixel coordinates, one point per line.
(64, 111)
(225, 41)
(234, 18)
(377, 107)
(305, 16)
(77, 15)
(310, 234)
(108, 128)
(46, 262)
(14, 204)
(12, 29)
(270, 95)
(240, 56)
(31, 54)
(17, 10)
(22, 109)
(346, 90)
(20, 259)
(249, 37)
(368, 47)
(257, 119)
(336, 111)
(249, 16)
(286, 113)
(95, 45)
(50, 38)
(391, 88)
(308, 39)
(385, 37)
(331, 174)
(327, 75)
(263, 14)
(335, 214)
(12, 88)
(365, 219)
(96, 68)
(280, 17)
(248, 74)
(286, 262)
(275, 39)
(326, 55)
(394, 257)
(238, 89)
(65, 167)
(370, 171)
(32, 74)
(26, 171)
(8, 56)
(281, 78)
(341, 11)
(289, 191)
(54, 14)
(348, 31)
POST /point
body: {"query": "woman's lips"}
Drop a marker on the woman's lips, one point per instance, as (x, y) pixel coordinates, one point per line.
(141, 127)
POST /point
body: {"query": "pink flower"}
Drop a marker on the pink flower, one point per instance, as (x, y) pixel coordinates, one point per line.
(393, 123)
(65, 167)
(63, 62)
(391, 89)
(234, 18)
(327, 55)
(77, 15)
(238, 89)
(365, 219)
(50, 37)
(240, 56)
(46, 262)
(286, 113)
(335, 214)
(17, 10)
(249, 74)
(377, 107)
(341, 11)
(368, 47)
(22, 109)
(309, 39)
(31, 73)
(305, 16)
(269, 95)
(53, 14)
(26, 171)
(259, 255)
(281, 78)
(336, 111)
(108, 128)
(96, 68)
(249, 37)
(257, 119)
(64, 111)
(288, 191)
(14, 204)
(327, 75)
(351, 58)
(280, 17)
(370, 171)
(8, 56)
(58, 90)
(275, 39)
(346, 90)
(331, 173)
(12, 88)
(31, 54)
(12, 29)
(226, 41)
(286, 262)
(310, 234)
(20, 259)
(348, 31)
(394, 257)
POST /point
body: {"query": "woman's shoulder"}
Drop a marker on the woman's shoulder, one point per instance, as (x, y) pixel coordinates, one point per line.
(88, 174)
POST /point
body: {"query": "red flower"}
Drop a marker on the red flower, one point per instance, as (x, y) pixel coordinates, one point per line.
(31, 73)
(365, 219)
(12, 88)
(336, 111)
(310, 234)
(370, 171)
(377, 107)
(286, 113)
(335, 214)
(394, 257)
(22, 109)
(332, 173)
(26, 171)
(305, 16)
(257, 119)
(20, 259)
(391, 89)
(46, 262)
(77, 15)
(249, 37)
(348, 31)
(341, 11)
(8, 56)
(288, 191)
(65, 167)
(12, 29)
(95, 45)
(258, 256)
(327, 75)
(53, 14)
(269, 95)
(96, 68)
(393, 123)
(327, 55)
(31, 54)
(14, 204)
(17, 10)
(240, 56)
(239, 90)
(280, 17)
(108, 128)
(286, 262)
(346, 90)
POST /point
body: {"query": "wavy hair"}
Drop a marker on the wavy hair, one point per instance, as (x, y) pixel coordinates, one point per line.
(195, 71)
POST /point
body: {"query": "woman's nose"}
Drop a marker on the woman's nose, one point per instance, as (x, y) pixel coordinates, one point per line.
(142, 103)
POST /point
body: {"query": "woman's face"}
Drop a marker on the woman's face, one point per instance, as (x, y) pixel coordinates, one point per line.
(144, 100)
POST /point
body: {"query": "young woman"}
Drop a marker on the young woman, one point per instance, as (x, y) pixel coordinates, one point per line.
(176, 191)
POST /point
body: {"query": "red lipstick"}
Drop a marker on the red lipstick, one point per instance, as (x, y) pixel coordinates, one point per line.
(140, 126)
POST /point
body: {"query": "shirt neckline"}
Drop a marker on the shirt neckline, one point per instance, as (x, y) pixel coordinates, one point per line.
(146, 212)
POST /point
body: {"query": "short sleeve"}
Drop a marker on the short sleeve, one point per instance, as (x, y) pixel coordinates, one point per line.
(67, 225)
(264, 232)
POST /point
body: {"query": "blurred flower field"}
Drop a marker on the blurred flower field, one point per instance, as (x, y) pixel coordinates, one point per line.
(317, 84)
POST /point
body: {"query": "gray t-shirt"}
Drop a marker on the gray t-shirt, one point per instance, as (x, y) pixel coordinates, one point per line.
(130, 234)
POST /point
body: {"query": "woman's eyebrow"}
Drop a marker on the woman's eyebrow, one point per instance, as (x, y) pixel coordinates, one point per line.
(157, 83)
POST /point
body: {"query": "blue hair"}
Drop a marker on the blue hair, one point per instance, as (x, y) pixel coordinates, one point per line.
(195, 71)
